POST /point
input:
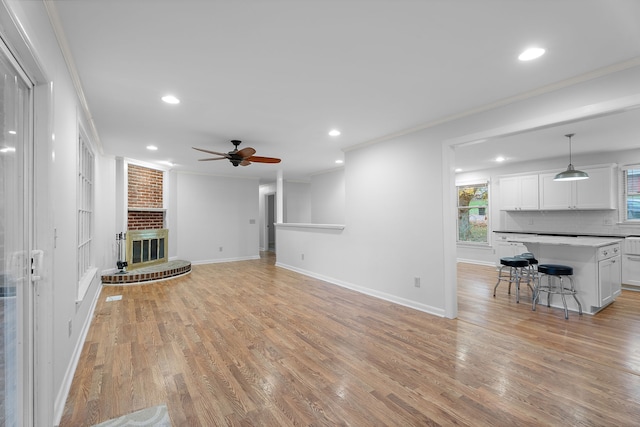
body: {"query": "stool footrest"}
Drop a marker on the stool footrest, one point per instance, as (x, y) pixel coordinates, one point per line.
(554, 274)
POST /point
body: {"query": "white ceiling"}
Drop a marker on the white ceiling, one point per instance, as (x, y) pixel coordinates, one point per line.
(279, 75)
(618, 131)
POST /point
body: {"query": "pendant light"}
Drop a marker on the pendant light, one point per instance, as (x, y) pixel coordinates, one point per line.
(571, 174)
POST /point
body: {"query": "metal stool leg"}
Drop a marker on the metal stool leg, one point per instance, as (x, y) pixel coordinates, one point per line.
(573, 292)
(555, 284)
(499, 279)
(564, 300)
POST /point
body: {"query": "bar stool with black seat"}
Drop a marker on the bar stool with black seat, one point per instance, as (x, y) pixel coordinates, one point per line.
(516, 273)
(532, 271)
(555, 285)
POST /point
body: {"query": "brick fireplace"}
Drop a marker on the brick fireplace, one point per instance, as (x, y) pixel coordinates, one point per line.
(147, 237)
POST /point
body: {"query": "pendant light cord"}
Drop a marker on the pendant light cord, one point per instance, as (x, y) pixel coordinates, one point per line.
(569, 135)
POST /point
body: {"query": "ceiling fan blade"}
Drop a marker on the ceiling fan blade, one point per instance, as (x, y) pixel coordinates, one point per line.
(226, 156)
(245, 162)
(212, 158)
(259, 159)
(246, 152)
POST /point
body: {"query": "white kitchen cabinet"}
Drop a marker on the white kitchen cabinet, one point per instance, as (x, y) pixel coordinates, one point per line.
(609, 274)
(597, 192)
(519, 193)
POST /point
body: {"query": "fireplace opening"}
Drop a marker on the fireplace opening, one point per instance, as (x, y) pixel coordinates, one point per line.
(147, 247)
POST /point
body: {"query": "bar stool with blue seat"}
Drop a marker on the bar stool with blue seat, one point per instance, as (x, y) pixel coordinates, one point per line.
(555, 285)
(516, 273)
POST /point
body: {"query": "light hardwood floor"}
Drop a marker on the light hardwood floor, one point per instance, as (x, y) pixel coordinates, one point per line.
(246, 343)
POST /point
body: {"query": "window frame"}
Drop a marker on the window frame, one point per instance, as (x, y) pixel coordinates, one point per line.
(478, 183)
(625, 194)
(85, 214)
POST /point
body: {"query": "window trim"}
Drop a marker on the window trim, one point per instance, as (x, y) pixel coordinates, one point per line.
(481, 182)
(623, 195)
(85, 214)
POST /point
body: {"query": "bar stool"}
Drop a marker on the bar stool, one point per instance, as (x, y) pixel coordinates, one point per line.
(532, 271)
(517, 271)
(555, 285)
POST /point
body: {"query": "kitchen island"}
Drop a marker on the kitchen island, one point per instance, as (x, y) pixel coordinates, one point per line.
(596, 262)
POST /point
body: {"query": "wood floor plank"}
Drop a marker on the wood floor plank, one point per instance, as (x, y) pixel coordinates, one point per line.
(250, 344)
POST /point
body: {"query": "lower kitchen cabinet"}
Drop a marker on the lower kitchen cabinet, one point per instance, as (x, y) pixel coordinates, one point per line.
(597, 267)
(609, 279)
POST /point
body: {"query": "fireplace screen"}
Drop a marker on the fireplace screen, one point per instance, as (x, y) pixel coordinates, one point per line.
(147, 247)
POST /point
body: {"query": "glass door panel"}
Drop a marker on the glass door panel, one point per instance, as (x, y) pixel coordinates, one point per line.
(14, 245)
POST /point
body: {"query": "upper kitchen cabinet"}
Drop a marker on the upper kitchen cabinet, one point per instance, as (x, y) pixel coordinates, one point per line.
(519, 193)
(597, 192)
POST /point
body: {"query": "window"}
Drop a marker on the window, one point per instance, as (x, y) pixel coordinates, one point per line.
(85, 213)
(632, 193)
(473, 213)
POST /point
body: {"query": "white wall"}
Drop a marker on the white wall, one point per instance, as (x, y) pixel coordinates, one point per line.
(393, 231)
(297, 202)
(328, 197)
(215, 212)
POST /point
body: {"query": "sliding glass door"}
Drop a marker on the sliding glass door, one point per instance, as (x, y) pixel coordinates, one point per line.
(15, 254)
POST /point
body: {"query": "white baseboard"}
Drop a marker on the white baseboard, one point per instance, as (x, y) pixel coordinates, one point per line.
(476, 262)
(63, 393)
(215, 261)
(380, 295)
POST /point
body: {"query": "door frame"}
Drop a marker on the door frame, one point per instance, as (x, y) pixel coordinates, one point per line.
(37, 407)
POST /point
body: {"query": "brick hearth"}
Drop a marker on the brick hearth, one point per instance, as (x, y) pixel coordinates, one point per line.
(148, 274)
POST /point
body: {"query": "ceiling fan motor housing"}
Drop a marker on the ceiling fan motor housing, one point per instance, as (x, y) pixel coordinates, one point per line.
(237, 157)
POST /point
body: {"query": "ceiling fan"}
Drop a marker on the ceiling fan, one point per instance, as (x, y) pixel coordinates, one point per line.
(237, 157)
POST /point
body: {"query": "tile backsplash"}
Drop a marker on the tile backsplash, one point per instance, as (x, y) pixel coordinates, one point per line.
(573, 222)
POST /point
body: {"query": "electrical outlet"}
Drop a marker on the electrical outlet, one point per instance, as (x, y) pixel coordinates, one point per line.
(416, 282)
(220, 248)
(302, 257)
(607, 221)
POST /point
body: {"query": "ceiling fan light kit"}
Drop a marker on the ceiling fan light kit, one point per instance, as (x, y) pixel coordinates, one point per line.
(571, 174)
(237, 157)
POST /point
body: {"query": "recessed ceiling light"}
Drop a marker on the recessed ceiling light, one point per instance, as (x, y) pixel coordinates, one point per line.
(8, 150)
(531, 53)
(334, 132)
(458, 170)
(152, 147)
(500, 159)
(339, 162)
(170, 99)
(12, 132)
(167, 162)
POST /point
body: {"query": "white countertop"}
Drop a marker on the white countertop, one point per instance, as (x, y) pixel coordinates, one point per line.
(595, 242)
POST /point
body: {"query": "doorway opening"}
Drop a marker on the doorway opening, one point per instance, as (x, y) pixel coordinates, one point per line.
(270, 213)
